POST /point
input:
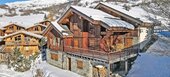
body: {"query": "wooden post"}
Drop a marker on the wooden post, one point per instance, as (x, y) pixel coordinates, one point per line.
(108, 70)
(126, 66)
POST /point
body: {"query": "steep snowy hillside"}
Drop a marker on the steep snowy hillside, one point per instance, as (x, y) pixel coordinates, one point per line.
(35, 4)
(49, 7)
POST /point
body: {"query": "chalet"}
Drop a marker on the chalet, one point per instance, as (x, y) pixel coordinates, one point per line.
(56, 34)
(135, 15)
(2, 31)
(38, 29)
(33, 23)
(27, 42)
(93, 43)
(45, 22)
(11, 28)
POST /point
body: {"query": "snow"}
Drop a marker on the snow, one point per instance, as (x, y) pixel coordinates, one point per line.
(24, 21)
(35, 4)
(155, 62)
(48, 70)
(110, 20)
(135, 12)
(2, 11)
(59, 28)
(150, 65)
(24, 32)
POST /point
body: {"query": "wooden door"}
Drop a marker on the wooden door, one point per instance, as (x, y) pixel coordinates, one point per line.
(69, 64)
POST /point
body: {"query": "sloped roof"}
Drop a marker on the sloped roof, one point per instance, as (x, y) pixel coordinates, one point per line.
(59, 28)
(105, 18)
(24, 32)
(23, 21)
(135, 12)
(62, 31)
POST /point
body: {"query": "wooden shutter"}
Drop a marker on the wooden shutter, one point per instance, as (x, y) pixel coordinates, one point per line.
(79, 64)
(54, 56)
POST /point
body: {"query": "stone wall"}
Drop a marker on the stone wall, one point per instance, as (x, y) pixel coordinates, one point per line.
(87, 67)
(63, 63)
(54, 62)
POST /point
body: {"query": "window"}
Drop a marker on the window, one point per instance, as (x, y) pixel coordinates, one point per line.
(54, 41)
(147, 31)
(18, 28)
(27, 48)
(85, 26)
(58, 41)
(11, 27)
(36, 28)
(18, 38)
(79, 64)
(54, 56)
(76, 43)
(27, 38)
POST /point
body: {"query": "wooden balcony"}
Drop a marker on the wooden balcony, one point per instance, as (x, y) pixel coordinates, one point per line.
(21, 43)
(10, 31)
(102, 55)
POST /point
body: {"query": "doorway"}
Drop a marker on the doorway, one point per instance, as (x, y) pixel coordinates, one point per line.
(69, 64)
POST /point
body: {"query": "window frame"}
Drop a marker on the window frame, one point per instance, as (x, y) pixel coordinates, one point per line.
(80, 64)
(54, 56)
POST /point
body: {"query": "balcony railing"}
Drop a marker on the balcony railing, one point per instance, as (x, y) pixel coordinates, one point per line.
(21, 43)
(106, 56)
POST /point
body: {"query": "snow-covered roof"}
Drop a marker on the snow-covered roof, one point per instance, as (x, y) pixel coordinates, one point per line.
(59, 28)
(98, 15)
(24, 32)
(24, 21)
(135, 12)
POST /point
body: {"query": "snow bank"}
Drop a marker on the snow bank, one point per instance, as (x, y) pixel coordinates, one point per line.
(3, 11)
(161, 47)
(150, 65)
(155, 62)
(49, 71)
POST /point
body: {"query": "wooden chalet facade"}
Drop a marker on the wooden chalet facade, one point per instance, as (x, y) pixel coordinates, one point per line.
(2, 32)
(21, 32)
(96, 38)
(38, 29)
(27, 42)
(143, 25)
(11, 28)
(45, 22)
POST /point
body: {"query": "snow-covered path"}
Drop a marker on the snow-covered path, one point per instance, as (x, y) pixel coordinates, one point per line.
(155, 62)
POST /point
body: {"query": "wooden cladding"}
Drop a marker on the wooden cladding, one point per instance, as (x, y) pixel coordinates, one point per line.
(79, 64)
(54, 56)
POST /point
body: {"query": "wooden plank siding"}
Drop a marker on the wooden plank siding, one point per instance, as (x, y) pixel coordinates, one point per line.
(83, 30)
(38, 29)
(54, 39)
(91, 39)
(12, 28)
(27, 44)
(2, 32)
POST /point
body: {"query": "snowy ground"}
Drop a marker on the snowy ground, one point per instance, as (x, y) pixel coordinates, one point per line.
(49, 71)
(155, 62)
